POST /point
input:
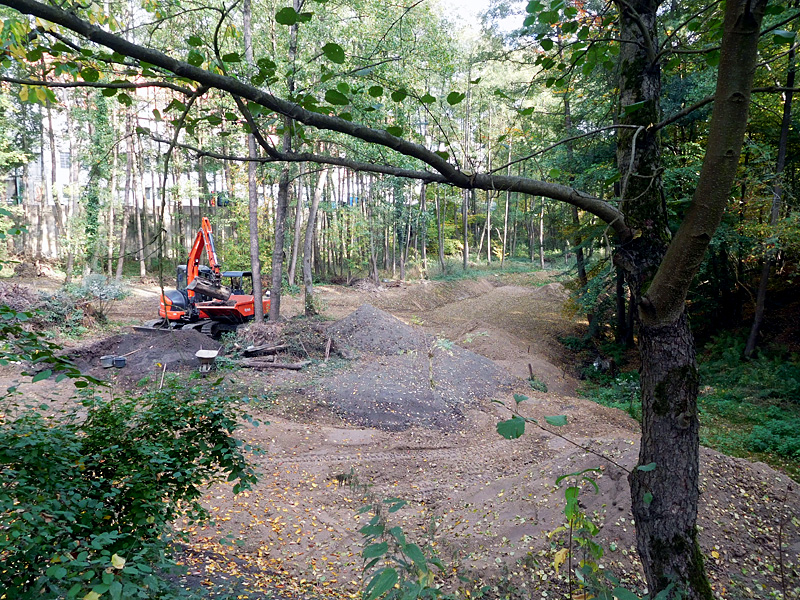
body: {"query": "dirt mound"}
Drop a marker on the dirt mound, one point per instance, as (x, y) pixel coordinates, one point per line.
(404, 377)
(146, 353)
(370, 329)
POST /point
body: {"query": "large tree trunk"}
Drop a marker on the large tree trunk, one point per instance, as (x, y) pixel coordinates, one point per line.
(659, 273)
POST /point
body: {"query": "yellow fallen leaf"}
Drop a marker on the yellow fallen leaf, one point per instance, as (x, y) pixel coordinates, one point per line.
(92, 596)
(715, 554)
(117, 561)
(561, 556)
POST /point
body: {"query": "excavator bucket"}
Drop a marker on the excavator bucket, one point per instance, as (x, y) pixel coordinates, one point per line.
(203, 286)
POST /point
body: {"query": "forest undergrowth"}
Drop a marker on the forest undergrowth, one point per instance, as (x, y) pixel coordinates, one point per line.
(748, 408)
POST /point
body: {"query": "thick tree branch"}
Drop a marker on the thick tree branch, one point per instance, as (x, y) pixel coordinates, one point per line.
(449, 173)
(117, 85)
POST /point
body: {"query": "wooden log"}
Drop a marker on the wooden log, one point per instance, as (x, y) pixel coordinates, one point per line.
(265, 349)
(203, 286)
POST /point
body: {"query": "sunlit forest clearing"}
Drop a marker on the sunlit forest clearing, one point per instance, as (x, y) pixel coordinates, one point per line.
(345, 298)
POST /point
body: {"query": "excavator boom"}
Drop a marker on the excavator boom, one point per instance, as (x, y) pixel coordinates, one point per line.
(204, 240)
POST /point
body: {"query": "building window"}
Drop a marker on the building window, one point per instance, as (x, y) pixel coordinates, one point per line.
(64, 161)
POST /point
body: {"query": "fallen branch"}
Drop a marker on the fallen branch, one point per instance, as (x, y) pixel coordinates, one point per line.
(261, 364)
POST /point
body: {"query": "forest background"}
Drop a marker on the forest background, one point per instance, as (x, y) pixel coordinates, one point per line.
(113, 159)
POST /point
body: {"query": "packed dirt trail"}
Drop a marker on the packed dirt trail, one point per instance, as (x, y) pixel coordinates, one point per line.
(407, 408)
(487, 506)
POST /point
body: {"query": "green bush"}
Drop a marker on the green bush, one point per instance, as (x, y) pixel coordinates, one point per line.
(623, 392)
(88, 502)
(776, 436)
(99, 292)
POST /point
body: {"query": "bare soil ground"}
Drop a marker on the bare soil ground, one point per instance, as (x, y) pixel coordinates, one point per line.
(404, 406)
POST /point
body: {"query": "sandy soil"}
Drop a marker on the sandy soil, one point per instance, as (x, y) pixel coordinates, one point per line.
(486, 505)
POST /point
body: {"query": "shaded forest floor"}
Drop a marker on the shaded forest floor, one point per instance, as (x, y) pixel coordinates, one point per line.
(403, 406)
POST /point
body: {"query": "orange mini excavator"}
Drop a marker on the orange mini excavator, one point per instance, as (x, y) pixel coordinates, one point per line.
(201, 301)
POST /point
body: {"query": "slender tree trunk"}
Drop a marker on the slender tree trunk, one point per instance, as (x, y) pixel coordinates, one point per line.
(465, 229)
(541, 236)
(777, 199)
(423, 211)
(252, 184)
(56, 197)
(125, 204)
(308, 275)
(139, 229)
(440, 230)
(298, 225)
(112, 198)
(283, 188)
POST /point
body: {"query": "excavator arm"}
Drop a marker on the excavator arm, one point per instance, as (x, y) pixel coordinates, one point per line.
(204, 240)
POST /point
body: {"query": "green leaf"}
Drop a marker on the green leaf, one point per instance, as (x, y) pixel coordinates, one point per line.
(558, 421)
(383, 581)
(399, 95)
(394, 130)
(442, 154)
(413, 552)
(648, 498)
(511, 429)
(232, 57)
(333, 52)
(547, 44)
(195, 58)
(109, 92)
(124, 99)
(520, 398)
(195, 41)
(712, 58)
(336, 98)
(375, 91)
(115, 589)
(89, 74)
(454, 98)
(632, 108)
(286, 16)
(648, 467)
(375, 550)
(427, 99)
(554, 173)
(304, 17)
(42, 375)
(622, 594)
